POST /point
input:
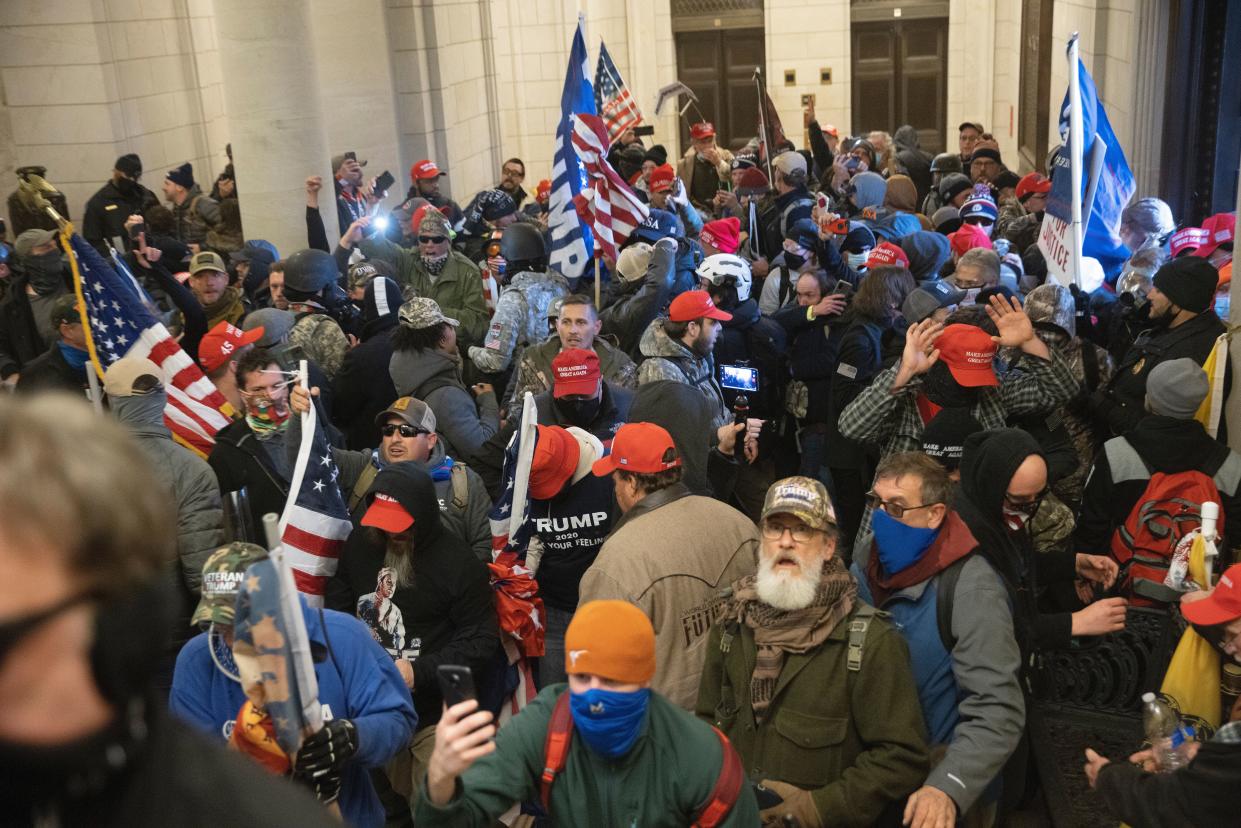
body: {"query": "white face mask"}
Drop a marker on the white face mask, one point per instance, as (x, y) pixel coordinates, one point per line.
(857, 261)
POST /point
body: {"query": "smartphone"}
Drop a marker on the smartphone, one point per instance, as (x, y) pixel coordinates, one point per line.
(644, 130)
(137, 230)
(852, 164)
(739, 377)
(843, 288)
(383, 183)
(456, 683)
(823, 201)
(838, 226)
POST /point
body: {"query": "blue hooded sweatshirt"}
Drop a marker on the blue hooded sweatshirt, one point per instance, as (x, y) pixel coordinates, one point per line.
(357, 681)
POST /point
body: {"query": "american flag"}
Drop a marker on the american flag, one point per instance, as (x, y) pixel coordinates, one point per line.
(118, 320)
(510, 529)
(609, 204)
(613, 99)
(315, 522)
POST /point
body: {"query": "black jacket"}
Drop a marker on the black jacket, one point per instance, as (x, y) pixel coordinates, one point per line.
(630, 307)
(863, 345)
(107, 210)
(752, 339)
(20, 341)
(50, 372)
(447, 616)
(813, 352)
(613, 412)
(1203, 793)
(364, 388)
(239, 461)
(1166, 445)
(1122, 406)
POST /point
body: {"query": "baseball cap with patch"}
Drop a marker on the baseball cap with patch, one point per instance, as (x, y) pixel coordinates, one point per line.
(702, 130)
(410, 409)
(789, 162)
(207, 260)
(420, 312)
(122, 376)
(887, 255)
(802, 497)
(65, 309)
(222, 576)
(30, 239)
(968, 352)
(1187, 239)
(1221, 229)
(220, 344)
(695, 304)
(642, 448)
(929, 297)
(387, 513)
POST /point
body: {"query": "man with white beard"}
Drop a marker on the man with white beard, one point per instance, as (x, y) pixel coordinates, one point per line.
(813, 687)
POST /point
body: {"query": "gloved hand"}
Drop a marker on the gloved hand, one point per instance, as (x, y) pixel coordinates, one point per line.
(326, 752)
(326, 788)
(797, 804)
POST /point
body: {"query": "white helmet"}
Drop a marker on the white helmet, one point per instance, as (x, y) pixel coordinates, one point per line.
(724, 267)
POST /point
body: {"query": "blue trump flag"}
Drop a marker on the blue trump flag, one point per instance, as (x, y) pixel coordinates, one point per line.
(1107, 182)
(572, 244)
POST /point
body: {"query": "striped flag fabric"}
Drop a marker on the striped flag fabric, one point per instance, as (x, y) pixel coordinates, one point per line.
(118, 320)
(614, 101)
(609, 204)
(571, 243)
(315, 522)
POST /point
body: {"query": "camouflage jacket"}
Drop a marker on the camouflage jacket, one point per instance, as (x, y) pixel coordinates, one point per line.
(195, 216)
(670, 360)
(520, 318)
(534, 369)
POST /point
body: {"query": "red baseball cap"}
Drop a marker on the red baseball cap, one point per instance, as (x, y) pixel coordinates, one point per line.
(575, 371)
(555, 457)
(828, 129)
(544, 188)
(643, 448)
(220, 344)
(1187, 238)
(722, 234)
(1221, 229)
(1222, 605)
(1032, 183)
(701, 130)
(662, 178)
(969, 237)
(695, 304)
(968, 352)
(424, 169)
(885, 255)
(386, 513)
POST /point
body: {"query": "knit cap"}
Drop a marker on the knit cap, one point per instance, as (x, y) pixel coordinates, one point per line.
(610, 639)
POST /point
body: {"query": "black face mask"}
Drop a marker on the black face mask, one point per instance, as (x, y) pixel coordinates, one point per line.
(580, 413)
(14, 631)
(127, 186)
(45, 272)
(793, 262)
(941, 389)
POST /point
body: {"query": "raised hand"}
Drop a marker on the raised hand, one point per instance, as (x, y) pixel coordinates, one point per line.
(920, 352)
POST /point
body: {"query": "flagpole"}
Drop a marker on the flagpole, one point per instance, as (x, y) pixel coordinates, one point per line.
(598, 256)
(1075, 154)
(764, 138)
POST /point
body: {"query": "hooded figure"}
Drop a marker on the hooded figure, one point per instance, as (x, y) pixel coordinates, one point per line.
(869, 189)
(927, 253)
(913, 161)
(363, 384)
(420, 589)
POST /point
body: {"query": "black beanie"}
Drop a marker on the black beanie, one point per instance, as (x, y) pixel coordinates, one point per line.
(1189, 283)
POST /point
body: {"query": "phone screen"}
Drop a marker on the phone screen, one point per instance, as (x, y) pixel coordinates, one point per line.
(739, 377)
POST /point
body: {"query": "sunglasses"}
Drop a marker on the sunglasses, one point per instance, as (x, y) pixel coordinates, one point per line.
(406, 430)
(1026, 507)
(432, 239)
(985, 222)
(896, 510)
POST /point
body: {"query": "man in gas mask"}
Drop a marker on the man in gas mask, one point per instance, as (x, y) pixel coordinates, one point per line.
(121, 197)
(84, 611)
(26, 326)
(368, 714)
(952, 367)
(322, 308)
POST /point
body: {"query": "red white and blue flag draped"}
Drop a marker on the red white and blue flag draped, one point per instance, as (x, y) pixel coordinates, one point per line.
(315, 522)
(118, 321)
(611, 207)
(613, 99)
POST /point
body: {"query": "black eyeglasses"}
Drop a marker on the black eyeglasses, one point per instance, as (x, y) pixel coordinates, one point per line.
(406, 430)
(1025, 507)
(432, 239)
(896, 510)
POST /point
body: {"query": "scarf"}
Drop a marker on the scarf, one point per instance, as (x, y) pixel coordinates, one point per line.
(777, 632)
(434, 266)
(228, 308)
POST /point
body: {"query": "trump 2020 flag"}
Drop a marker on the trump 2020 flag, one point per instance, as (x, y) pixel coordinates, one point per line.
(118, 321)
(616, 104)
(572, 244)
(1107, 186)
(315, 522)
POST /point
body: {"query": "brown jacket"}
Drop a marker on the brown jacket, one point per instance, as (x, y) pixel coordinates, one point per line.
(672, 555)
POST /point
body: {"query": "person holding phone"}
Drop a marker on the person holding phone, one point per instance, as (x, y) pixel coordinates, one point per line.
(112, 204)
(661, 765)
(705, 168)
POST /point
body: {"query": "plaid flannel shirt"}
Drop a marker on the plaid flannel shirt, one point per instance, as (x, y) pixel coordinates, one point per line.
(891, 419)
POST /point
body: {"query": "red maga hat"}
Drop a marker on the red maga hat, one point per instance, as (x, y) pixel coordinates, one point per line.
(968, 352)
(575, 371)
(1222, 605)
(695, 304)
(386, 513)
(642, 448)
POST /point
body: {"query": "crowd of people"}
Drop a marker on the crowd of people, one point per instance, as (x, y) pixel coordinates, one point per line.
(823, 471)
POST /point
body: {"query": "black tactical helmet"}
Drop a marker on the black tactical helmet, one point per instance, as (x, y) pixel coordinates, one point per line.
(521, 242)
(308, 272)
(946, 162)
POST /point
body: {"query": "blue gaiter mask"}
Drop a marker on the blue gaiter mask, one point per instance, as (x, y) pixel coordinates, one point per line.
(76, 357)
(900, 546)
(609, 721)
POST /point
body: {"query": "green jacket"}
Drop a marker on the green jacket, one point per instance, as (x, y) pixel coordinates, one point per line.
(855, 739)
(665, 778)
(458, 290)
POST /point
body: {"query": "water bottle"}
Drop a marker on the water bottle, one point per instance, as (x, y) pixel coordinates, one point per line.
(1164, 732)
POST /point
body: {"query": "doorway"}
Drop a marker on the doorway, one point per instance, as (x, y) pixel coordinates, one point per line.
(719, 66)
(900, 76)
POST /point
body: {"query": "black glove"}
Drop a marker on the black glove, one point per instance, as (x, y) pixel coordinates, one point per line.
(325, 752)
(326, 788)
